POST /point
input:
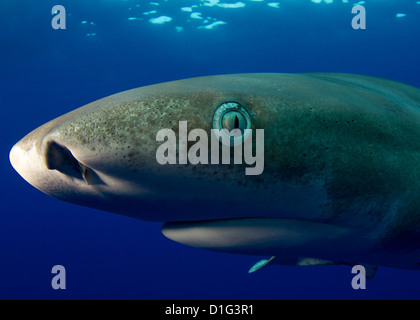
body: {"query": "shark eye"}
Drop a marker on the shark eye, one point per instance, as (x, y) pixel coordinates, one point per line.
(233, 121)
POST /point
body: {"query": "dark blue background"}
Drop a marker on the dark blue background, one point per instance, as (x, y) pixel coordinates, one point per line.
(45, 73)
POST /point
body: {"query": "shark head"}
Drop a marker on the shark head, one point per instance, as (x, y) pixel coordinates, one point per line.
(105, 154)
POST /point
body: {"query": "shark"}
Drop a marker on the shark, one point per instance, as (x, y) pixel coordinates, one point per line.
(341, 178)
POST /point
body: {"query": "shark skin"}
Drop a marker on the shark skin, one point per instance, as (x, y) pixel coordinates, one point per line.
(340, 185)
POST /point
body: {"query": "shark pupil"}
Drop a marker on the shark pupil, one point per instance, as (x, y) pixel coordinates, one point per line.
(234, 120)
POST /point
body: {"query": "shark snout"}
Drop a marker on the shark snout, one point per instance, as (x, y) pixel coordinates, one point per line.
(44, 161)
(14, 157)
(27, 161)
(27, 156)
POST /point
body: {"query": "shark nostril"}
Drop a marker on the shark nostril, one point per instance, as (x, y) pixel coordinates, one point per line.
(58, 157)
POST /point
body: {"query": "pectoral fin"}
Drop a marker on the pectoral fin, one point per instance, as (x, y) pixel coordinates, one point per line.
(261, 264)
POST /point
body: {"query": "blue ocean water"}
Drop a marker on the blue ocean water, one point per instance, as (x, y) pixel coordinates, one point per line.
(112, 45)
